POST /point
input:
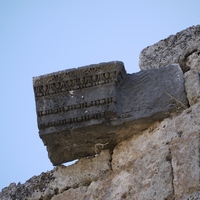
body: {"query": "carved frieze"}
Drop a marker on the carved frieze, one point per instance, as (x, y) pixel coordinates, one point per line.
(76, 106)
(84, 77)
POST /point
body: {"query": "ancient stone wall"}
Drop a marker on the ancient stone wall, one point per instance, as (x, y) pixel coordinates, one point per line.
(160, 161)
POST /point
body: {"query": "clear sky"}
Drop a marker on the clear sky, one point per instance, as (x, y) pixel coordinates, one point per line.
(44, 36)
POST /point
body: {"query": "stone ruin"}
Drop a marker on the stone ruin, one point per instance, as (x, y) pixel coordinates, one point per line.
(145, 128)
(82, 111)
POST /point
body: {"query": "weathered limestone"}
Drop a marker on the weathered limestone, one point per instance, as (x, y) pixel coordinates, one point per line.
(161, 162)
(182, 48)
(166, 154)
(192, 86)
(82, 111)
(153, 165)
(185, 163)
(193, 59)
(62, 178)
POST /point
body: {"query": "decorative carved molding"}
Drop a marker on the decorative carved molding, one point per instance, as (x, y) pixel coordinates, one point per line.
(59, 96)
(84, 77)
(76, 106)
(79, 119)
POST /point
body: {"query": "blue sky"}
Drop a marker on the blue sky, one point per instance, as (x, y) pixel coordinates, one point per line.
(40, 36)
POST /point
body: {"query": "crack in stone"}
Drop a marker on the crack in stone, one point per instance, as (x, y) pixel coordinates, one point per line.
(169, 158)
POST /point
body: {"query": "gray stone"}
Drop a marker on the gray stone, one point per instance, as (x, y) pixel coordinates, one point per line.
(84, 110)
(179, 48)
(192, 86)
(78, 95)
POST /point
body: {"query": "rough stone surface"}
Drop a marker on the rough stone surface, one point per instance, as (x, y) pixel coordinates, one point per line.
(62, 178)
(185, 163)
(135, 100)
(161, 162)
(182, 48)
(193, 59)
(174, 144)
(192, 86)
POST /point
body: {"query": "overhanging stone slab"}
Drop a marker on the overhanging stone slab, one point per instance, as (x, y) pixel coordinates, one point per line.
(81, 111)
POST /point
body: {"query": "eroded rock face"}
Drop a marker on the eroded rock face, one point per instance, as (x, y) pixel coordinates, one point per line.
(182, 48)
(79, 116)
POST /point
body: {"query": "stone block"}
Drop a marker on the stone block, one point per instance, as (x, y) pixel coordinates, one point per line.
(192, 60)
(77, 95)
(82, 111)
(192, 86)
(185, 163)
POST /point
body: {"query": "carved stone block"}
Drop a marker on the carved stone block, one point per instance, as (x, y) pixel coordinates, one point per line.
(77, 96)
(192, 86)
(82, 111)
